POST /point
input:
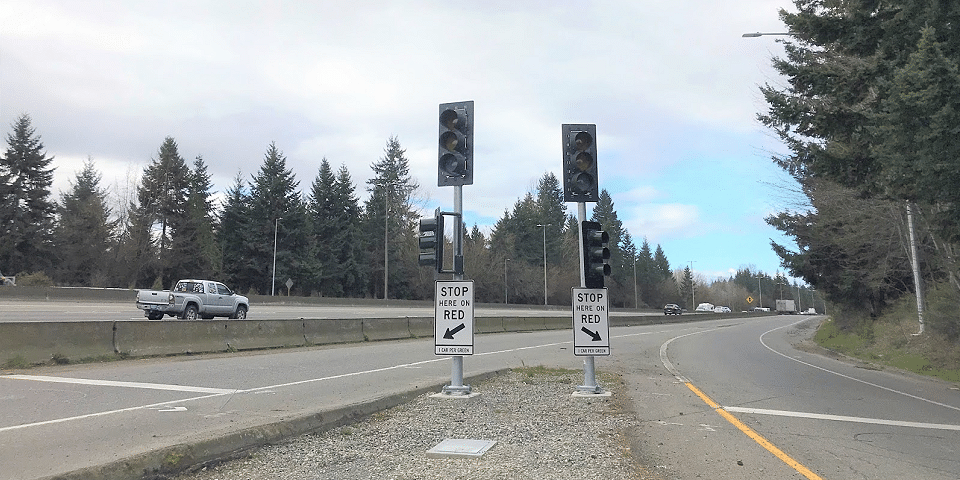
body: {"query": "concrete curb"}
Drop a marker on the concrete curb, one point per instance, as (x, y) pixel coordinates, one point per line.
(168, 461)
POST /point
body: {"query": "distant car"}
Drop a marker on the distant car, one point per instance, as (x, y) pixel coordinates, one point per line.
(672, 309)
(721, 310)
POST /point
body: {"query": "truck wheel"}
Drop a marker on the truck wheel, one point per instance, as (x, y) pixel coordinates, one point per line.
(240, 314)
(190, 313)
(155, 315)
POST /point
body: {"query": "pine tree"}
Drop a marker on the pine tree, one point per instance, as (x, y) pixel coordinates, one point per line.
(84, 232)
(325, 212)
(336, 221)
(26, 211)
(193, 249)
(239, 271)
(162, 197)
(605, 213)
(391, 220)
(279, 219)
(353, 277)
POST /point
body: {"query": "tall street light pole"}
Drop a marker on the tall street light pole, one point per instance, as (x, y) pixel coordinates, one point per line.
(693, 286)
(505, 280)
(273, 281)
(544, 226)
(386, 235)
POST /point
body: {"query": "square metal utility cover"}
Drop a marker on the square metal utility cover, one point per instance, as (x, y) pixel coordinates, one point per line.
(460, 447)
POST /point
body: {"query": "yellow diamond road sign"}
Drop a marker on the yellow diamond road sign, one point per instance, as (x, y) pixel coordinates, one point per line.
(749, 299)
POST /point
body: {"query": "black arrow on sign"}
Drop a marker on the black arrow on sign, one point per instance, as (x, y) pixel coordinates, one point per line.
(451, 333)
(594, 335)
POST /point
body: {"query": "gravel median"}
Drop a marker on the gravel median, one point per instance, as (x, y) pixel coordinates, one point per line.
(540, 429)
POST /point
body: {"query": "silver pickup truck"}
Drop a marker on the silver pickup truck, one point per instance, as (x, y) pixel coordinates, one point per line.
(192, 299)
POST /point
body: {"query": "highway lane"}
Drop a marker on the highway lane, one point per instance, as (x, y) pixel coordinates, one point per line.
(817, 412)
(72, 311)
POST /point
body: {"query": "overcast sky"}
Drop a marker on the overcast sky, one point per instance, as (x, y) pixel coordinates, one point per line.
(671, 86)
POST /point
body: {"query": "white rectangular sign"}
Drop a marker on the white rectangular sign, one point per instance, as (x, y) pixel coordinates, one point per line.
(453, 317)
(591, 326)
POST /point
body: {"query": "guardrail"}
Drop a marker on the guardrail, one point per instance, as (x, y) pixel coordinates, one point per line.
(28, 343)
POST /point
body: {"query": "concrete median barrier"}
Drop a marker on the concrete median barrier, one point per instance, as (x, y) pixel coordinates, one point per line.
(421, 327)
(385, 329)
(327, 332)
(489, 324)
(170, 337)
(252, 334)
(35, 342)
(522, 324)
(557, 323)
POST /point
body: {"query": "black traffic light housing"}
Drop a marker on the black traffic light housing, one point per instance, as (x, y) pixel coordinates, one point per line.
(580, 180)
(455, 157)
(431, 241)
(593, 243)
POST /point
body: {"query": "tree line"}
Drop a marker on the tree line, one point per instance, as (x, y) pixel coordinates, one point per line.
(870, 112)
(268, 231)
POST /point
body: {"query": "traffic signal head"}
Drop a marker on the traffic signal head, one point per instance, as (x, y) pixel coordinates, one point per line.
(455, 157)
(593, 242)
(580, 181)
(431, 241)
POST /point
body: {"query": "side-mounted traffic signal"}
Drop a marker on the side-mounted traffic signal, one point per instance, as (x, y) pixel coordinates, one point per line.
(431, 241)
(455, 157)
(580, 182)
(593, 242)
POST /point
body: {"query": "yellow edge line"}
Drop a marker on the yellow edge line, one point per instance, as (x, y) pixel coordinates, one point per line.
(754, 435)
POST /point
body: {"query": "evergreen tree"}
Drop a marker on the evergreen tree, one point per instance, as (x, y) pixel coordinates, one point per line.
(279, 219)
(390, 222)
(687, 286)
(26, 211)
(162, 197)
(84, 232)
(325, 229)
(193, 249)
(353, 276)
(141, 266)
(618, 282)
(553, 213)
(871, 104)
(336, 222)
(647, 277)
(916, 131)
(239, 271)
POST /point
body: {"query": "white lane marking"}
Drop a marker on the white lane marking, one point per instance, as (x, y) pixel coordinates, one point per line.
(266, 389)
(111, 383)
(848, 377)
(842, 418)
(173, 409)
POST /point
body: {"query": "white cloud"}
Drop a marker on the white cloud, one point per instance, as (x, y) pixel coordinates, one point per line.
(336, 79)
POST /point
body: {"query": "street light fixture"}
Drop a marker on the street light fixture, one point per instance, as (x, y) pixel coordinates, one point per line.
(544, 226)
(762, 34)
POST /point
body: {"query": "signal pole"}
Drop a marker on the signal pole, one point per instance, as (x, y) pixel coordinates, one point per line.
(580, 185)
(455, 168)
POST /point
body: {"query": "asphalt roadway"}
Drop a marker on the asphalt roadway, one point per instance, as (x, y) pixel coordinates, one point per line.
(728, 398)
(68, 311)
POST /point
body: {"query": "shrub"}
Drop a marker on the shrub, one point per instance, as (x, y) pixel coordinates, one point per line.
(36, 279)
(943, 311)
